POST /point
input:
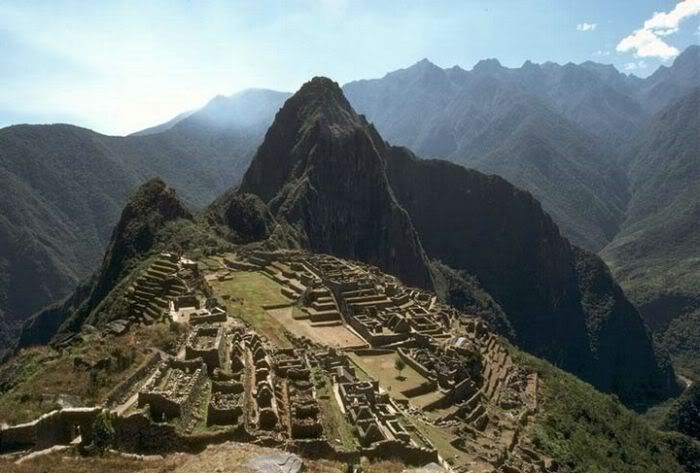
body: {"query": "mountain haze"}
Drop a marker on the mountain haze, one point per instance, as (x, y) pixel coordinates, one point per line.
(249, 108)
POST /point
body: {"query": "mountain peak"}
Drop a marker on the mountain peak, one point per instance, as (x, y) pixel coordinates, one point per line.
(320, 85)
(321, 169)
(425, 63)
(488, 65)
(318, 111)
(321, 103)
(148, 209)
(691, 51)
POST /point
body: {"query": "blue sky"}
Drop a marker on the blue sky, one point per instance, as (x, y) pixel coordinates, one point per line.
(121, 66)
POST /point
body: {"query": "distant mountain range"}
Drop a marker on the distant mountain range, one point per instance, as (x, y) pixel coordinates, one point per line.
(557, 131)
(591, 144)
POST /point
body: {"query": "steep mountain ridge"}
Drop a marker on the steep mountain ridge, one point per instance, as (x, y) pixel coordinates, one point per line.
(598, 98)
(322, 166)
(557, 131)
(147, 211)
(562, 301)
(320, 170)
(669, 83)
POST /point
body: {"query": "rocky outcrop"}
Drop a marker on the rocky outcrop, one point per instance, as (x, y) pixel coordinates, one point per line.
(244, 217)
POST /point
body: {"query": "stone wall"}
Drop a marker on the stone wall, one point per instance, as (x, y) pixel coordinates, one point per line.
(58, 427)
(422, 370)
(212, 355)
(120, 392)
(208, 317)
(166, 405)
(136, 433)
(226, 404)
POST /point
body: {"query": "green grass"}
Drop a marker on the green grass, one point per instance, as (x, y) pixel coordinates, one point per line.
(441, 439)
(335, 425)
(593, 432)
(200, 425)
(381, 368)
(248, 292)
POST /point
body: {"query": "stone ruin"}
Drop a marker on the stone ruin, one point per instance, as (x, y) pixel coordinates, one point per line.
(480, 399)
(173, 390)
(296, 395)
(463, 362)
(207, 342)
(226, 403)
(377, 418)
(262, 413)
(59, 427)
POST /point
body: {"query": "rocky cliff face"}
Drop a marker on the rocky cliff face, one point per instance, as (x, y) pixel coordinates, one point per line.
(243, 217)
(152, 206)
(321, 170)
(326, 173)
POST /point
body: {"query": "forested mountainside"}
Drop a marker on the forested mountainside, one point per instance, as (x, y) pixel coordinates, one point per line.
(65, 187)
(656, 254)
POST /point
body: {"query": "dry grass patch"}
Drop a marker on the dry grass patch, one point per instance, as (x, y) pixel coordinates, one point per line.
(46, 374)
(337, 336)
(62, 463)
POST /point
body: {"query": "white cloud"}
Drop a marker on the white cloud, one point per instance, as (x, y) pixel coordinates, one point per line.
(647, 42)
(644, 43)
(633, 66)
(667, 23)
(586, 26)
(601, 53)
